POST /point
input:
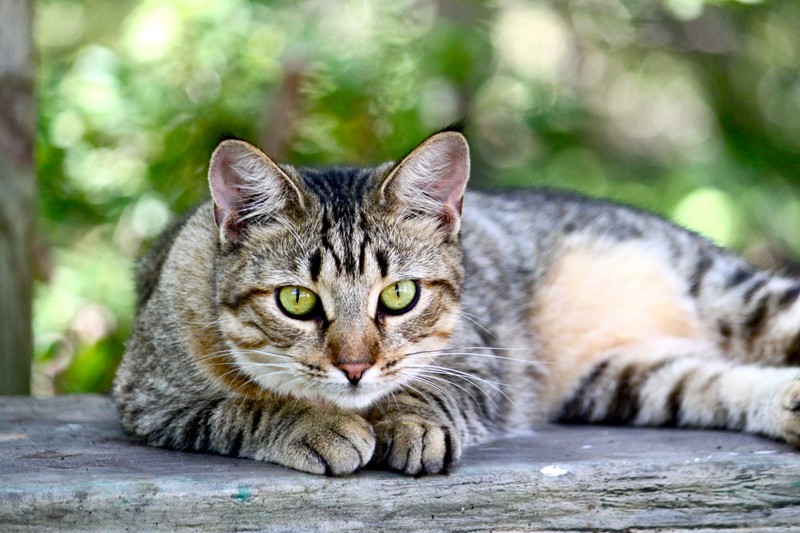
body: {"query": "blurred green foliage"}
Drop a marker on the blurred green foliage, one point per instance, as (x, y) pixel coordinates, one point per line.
(690, 108)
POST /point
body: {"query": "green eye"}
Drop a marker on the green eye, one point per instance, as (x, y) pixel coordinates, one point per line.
(297, 302)
(399, 297)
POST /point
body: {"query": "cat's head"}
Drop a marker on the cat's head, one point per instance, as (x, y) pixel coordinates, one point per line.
(338, 284)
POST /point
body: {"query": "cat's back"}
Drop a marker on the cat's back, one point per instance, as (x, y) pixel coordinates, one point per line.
(520, 224)
(546, 214)
(528, 250)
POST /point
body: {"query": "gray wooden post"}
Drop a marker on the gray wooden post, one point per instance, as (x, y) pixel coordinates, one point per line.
(17, 194)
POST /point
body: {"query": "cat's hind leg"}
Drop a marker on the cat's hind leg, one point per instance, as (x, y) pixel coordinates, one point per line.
(675, 382)
(628, 338)
(754, 315)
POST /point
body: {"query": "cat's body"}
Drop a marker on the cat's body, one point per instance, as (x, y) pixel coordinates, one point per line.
(570, 309)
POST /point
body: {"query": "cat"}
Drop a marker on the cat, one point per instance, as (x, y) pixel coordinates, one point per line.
(333, 318)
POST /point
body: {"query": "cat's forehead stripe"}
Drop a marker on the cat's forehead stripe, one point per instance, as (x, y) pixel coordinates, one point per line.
(336, 185)
(315, 265)
(383, 262)
(326, 240)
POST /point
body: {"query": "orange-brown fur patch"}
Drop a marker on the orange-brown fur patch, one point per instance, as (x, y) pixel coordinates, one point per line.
(211, 354)
(599, 299)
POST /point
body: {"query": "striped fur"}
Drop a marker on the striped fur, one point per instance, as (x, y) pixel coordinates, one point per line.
(534, 305)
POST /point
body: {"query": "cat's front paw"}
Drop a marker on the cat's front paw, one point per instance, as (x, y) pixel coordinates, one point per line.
(415, 445)
(325, 443)
(789, 412)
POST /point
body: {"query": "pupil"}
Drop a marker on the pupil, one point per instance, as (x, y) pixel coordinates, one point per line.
(397, 290)
(296, 293)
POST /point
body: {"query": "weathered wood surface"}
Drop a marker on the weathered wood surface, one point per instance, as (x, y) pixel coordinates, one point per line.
(65, 465)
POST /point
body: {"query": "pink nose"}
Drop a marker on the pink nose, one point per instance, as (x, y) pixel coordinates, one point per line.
(353, 371)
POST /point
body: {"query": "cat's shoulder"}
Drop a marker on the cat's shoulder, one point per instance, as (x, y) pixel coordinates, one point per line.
(149, 268)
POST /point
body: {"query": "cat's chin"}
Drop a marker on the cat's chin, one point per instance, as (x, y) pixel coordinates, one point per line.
(348, 398)
(351, 400)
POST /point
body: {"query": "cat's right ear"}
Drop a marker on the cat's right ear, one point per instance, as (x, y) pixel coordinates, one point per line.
(430, 181)
(246, 184)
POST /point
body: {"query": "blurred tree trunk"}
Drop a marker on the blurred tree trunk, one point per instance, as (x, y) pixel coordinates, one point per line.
(17, 194)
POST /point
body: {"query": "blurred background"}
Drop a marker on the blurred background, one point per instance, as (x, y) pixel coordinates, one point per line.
(690, 108)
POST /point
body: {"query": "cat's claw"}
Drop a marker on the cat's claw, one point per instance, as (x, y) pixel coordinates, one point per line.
(330, 444)
(414, 445)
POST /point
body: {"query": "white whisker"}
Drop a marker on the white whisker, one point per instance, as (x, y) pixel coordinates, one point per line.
(473, 319)
(466, 376)
(435, 353)
(425, 379)
(444, 371)
(421, 393)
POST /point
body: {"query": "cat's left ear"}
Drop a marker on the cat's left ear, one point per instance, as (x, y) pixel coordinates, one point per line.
(246, 184)
(430, 181)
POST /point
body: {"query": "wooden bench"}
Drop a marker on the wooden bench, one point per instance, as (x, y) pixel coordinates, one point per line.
(65, 464)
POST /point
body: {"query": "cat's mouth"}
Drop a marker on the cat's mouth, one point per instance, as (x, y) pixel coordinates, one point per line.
(350, 397)
(358, 398)
(355, 395)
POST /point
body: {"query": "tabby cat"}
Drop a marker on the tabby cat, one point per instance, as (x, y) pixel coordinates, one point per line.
(324, 319)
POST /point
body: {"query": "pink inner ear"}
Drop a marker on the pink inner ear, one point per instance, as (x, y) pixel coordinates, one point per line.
(432, 178)
(225, 186)
(245, 182)
(440, 168)
(448, 187)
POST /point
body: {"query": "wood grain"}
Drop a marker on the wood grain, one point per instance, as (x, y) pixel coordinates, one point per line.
(65, 465)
